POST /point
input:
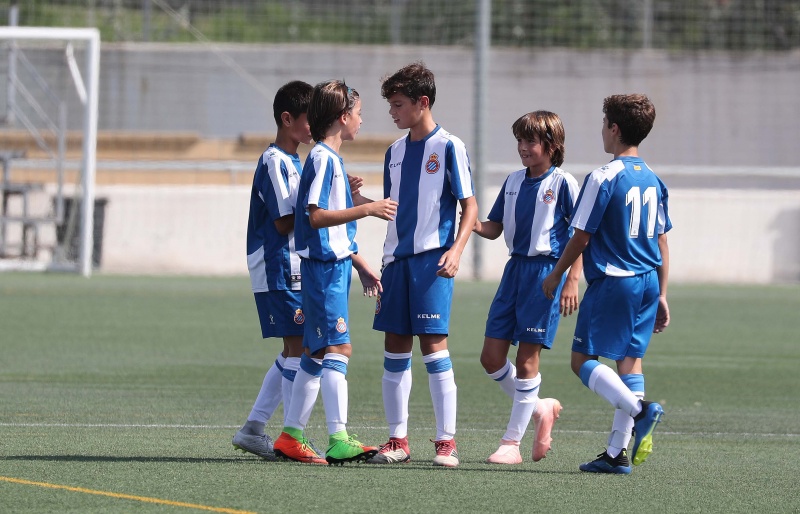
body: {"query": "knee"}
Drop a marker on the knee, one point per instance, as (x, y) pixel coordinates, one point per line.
(492, 360)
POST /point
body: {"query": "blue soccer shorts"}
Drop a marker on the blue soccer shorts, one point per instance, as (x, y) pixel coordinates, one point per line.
(415, 300)
(326, 289)
(616, 316)
(520, 312)
(280, 313)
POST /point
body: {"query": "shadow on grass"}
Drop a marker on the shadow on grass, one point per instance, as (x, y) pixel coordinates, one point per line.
(464, 468)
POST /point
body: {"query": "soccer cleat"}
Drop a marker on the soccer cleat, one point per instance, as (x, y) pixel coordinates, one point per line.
(348, 450)
(394, 452)
(260, 445)
(446, 453)
(619, 465)
(508, 453)
(643, 425)
(290, 448)
(547, 412)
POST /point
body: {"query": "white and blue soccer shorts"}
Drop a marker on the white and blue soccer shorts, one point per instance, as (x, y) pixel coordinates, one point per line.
(326, 288)
(520, 312)
(415, 300)
(280, 313)
(616, 316)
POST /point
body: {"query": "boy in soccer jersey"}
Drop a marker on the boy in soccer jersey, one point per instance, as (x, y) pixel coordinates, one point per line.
(325, 230)
(620, 221)
(273, 263)
(427, 172)
(532, 210)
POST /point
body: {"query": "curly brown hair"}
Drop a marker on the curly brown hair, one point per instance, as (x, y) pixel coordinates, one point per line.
(413, 80)
(634, 114)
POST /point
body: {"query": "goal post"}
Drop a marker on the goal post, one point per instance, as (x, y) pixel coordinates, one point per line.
(87, 89)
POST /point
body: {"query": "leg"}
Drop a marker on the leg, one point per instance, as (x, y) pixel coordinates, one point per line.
(442, 384)
(396, 389)
(494, 359)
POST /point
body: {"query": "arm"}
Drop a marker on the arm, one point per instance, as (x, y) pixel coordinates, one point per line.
(323, 218)
(662, 315)
(355, 190)
(488, 229)
(370, 281)
(285, 224)
(451, 259)
(569, 293)
(573, 250)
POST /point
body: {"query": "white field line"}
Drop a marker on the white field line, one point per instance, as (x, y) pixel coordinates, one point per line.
(355, 427)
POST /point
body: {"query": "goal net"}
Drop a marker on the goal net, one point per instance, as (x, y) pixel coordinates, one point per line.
(48, 141)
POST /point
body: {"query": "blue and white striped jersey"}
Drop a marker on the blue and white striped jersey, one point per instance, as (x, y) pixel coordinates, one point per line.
(535, 212)
(624, 206)
(271, 257)
(324, 184)
(426, 178)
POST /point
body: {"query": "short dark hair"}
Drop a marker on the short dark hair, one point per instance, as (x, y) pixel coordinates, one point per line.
(634, 114)
(413, 80)
(329, 100)
(293, 98)
(548, 127)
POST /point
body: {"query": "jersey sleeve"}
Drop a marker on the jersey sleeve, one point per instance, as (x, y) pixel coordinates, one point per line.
(274, 188)
(592, 202)
(498, 209)
(568, 196)
(663, 223)
(320, 189)
(457, 163)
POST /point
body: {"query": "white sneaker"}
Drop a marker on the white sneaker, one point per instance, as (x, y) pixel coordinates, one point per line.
(446, 453)
(508, 453)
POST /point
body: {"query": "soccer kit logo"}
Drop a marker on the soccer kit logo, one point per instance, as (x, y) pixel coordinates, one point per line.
(299, 318)
(432, 166)
(341, 326)
(548, 196)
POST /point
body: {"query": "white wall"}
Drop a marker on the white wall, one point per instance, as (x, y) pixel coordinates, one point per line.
(728, 236)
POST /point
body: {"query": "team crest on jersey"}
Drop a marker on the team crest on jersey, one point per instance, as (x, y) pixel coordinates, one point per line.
(341, 326)
(299, 317)
(378, 304)
(432, 166)
(549, 196)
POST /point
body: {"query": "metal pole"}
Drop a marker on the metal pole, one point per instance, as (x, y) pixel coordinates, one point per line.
(647, 25)
(483, 27)
(89, 154)
(11, 94)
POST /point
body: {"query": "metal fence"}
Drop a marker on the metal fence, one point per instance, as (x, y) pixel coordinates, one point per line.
(741, 25)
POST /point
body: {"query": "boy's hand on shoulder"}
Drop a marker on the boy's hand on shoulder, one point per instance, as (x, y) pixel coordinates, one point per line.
(385, 209)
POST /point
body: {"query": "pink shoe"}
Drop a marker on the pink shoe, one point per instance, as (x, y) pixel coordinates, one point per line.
(508, 453)
(547, 412)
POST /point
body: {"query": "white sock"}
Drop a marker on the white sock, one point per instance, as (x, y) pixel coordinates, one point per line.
(269, 397)
(526, 396)
(304, 394)
(606, 383)
(334, 391)
(443, 389)
(290, 368)
(505, 378)
(621, 430)
(396, 387)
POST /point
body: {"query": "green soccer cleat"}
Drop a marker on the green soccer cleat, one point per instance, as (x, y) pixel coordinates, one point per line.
(345, 448)
(643, 425)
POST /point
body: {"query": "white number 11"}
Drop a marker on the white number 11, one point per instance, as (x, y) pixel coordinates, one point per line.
(648, 199)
